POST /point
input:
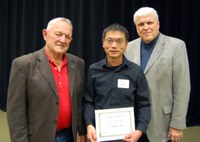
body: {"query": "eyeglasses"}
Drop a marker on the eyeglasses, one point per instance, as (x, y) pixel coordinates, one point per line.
(110, 41)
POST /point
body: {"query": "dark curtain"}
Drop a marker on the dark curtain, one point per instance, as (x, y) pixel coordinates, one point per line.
(21, 23)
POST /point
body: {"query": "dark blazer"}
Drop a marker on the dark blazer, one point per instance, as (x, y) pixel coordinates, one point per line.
(32, 103)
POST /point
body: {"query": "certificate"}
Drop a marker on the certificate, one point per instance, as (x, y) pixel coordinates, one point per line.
(114, 124)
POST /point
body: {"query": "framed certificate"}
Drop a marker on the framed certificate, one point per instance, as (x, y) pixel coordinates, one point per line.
(114, 124)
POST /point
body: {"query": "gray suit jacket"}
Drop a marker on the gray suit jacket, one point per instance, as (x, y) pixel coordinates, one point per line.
(32, 104)
(167, 73)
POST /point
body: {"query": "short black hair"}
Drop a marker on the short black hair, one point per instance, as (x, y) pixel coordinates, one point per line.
(116, 27)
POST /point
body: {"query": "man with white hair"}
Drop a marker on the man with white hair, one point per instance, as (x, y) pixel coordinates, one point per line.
(45, 90)
(165, 64)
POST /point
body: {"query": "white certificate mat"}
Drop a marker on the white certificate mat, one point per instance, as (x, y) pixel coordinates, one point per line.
(114, 124)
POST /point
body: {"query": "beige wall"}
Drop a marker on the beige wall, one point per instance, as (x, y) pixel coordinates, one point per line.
(4, 133)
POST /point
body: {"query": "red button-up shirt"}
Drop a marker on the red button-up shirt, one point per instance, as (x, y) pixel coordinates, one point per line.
(62, 83)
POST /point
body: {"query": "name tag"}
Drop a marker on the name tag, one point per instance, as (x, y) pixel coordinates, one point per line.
(123, 83)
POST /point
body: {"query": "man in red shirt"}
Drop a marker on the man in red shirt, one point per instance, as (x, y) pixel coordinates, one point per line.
(45, 90)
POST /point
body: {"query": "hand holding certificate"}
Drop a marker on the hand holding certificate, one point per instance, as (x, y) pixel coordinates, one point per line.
(114, 124)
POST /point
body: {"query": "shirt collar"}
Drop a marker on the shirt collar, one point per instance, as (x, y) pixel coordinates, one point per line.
(64, 61)
(123, 65)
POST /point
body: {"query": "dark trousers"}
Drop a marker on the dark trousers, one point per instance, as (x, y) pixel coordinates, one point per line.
(143, 138)
(64, 135)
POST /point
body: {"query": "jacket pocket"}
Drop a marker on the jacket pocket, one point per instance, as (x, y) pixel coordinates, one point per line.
(167, 110)
(30, 131)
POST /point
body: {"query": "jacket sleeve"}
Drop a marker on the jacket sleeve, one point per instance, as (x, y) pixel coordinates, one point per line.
(81, 124)
(181, 87)
(16, 104)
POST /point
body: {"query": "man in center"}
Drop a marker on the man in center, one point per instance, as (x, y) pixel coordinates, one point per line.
(115, 82)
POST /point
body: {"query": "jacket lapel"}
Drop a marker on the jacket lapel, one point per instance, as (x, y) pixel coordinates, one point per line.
(158, 49)
(45, 70)
(71, 72)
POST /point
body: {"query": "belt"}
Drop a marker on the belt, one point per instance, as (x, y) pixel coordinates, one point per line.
(63, 131)
(65, 134)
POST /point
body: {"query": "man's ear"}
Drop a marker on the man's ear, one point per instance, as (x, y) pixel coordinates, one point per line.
(44, 33)
(126, 44)
(103, 43)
